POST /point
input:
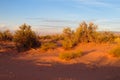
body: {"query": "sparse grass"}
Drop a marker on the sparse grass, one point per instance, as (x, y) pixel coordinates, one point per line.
(115, 51)
(48, 45)
(70, 55)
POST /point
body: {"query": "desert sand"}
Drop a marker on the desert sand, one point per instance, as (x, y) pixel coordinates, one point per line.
(94, 64)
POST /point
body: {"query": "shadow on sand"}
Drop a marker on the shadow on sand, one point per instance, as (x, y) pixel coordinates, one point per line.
(14, 69)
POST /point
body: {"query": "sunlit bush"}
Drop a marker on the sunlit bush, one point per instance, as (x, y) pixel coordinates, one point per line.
(68, 44)
(105, 37)
(48, 45)
(70, 55)
(115, 51)
(86, 32)
(25, 38)
(68, 38)
(117, 40)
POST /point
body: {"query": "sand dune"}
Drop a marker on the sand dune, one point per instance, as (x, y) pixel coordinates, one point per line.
(94, 64)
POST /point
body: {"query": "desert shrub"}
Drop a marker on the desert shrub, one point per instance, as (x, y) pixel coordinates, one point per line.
(48, 45)
(6, 36)
(68, 44)
(105, 37)
(70, 55)
(68, 38)
(115, 51)
(85, 32)
(56, 37)
(88, 33)
(25, 38)
(117, 40)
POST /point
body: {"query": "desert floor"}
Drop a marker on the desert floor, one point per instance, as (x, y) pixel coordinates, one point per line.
(94, 64)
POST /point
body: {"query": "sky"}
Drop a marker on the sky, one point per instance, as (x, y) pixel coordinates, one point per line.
(54, 15)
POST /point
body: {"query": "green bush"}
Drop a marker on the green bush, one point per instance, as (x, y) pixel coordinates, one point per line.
(48, 45)
(70, 55)
(115, 51)
(25, 38)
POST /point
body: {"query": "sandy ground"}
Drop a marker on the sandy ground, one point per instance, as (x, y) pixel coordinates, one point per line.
(94, 64)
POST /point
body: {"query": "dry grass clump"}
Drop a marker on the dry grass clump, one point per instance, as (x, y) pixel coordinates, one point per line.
(48, 45)
(115, 51)
(70, 55)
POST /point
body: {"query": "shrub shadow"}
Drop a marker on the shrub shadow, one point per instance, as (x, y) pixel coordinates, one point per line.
(15, 69)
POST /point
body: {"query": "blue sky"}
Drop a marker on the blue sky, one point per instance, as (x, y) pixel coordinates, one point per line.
(54, 15)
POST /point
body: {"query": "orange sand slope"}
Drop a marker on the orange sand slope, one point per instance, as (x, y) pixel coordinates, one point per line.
(94, 64)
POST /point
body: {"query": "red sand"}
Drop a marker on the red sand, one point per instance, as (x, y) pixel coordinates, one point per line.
(95, 64)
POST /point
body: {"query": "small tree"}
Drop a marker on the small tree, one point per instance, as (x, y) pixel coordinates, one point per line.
(25, 38)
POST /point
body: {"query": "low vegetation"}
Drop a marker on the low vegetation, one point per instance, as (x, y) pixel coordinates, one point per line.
(115, 51)
(70, 55)
(68, 38)
(117, 40)
(25, 38)
(48, 45)
(104, 37)
(85, 33)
